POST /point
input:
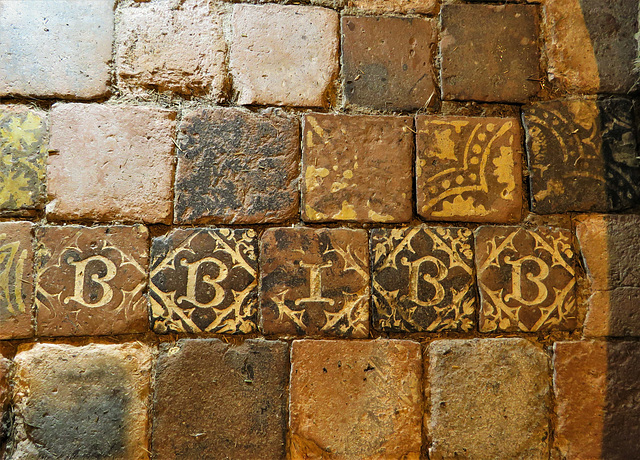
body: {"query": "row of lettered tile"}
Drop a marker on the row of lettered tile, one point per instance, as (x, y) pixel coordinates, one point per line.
(316, 281)
(313, 398)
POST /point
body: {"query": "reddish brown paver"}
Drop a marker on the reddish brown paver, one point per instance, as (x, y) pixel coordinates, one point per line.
(356, 399)
(90, 280)
(490, 52)
(423, 279)
(489, 399)
(16, 280)
(387, 62)
(82, 401)
(315, 281)
(111, 163)
(526, 279)
(469, 169)
(356, 168)
(215, 400)
(204, 280)
(237, 167)
(172, 47)
(610, 246)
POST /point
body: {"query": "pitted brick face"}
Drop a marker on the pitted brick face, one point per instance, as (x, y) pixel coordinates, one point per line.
(90, 281)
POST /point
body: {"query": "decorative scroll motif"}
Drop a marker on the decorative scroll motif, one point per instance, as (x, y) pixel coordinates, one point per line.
(12, 267)
(526, 279)
(423, 279)
(204, 281)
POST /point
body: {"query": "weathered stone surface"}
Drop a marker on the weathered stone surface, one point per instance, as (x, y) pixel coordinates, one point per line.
(490, 52)
(591, 45)
(23, 146)
(582, 155)
(55, 48)
(16, 280)
(5, 403)
(283, 54)
(204, 280)
(357, 168)
(90, 280)
(610, 246)
(355, 400)
(82, 402)
(526, 279)
(423, 279)
(490, 399)
(236, 167)
(111, 163)
(387, 62)
(469, 169)
(172, 46)
(214, 400)
(315, 281)
(597, 386)
(396, 6)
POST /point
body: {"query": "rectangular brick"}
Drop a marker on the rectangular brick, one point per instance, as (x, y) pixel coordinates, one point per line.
(489, 399)
(204, 280)
(490, 52)
(166, 47)
(396, 6)
(526, 279)
(90, 280)
(469, 169)
(56, 48)
(111, 163)
(215, 400)
(237, 167)
(423, 279)
(355, 399)
(283, 54)
(610, 246)
(387, 63)
(82, 402)
(23, 146)
(582, 155)
(340, 156)
(315, 282)
(16, 280)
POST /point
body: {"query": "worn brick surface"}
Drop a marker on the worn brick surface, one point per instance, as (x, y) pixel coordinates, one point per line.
(597, 386)
(582, 155)
(423, 279)
(204, 280)
(526, 279)
(5, 402)
(355, 400)
(16, 280)
(591, 45)
(342, 154)
(610, 246)
(396, 6)
(469, 169)
(90, 280)
(58, 48)
(82, 402)
(490, 399)
(490, 52)
(315, 281)
(283, 54)
(235, 167)
(23, 146)
(172, 46)
(111, 163)
(215, 400)
(387, 62)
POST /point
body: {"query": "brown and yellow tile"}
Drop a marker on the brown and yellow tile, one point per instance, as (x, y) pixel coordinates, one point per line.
(90, 280)
(526, 279)
(315, 282)
(204, 280)
(423, 279)
(469, 169)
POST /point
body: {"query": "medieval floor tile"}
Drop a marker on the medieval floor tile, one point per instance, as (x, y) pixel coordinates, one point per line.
(396, 6)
